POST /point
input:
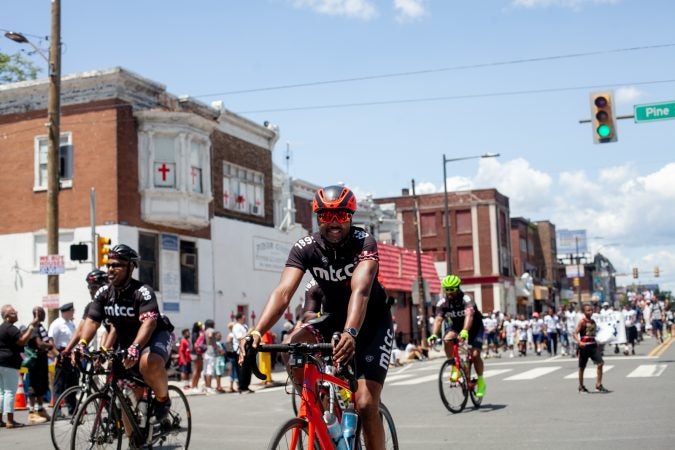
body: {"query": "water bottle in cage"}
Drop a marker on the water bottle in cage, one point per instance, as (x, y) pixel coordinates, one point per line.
(335, 430)
(349, 422)
(142, 411)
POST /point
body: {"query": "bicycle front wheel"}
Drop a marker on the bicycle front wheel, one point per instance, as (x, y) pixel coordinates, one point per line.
(390, 435)
(454, 394)
(97, 425)
(177, 433)
(63, 415)
(292, 435)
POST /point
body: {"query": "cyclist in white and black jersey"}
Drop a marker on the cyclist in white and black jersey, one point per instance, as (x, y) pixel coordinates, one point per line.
(136, 324)
(344, 262)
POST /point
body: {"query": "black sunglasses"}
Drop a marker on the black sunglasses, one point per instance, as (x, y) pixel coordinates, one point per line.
(115, 265)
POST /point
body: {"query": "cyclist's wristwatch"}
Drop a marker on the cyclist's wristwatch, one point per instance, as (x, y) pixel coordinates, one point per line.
(353, 332)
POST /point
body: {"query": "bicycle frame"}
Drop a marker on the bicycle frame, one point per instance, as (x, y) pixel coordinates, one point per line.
(458, 360)
(310, 409)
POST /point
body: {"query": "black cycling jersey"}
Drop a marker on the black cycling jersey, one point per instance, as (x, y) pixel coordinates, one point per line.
(126, 309)
(455, 311)
(314, 297)
(332, 268)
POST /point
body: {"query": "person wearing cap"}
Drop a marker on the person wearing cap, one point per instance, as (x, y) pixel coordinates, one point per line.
(60, 333)
(537, 325)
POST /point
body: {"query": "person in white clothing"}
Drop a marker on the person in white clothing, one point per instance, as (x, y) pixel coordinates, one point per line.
(509, 333)
(209, 355)
(60, 334)
(243, 371)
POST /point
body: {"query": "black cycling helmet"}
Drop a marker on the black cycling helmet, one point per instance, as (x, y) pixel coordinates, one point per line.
(125, 253)
(96, 278)
(334, 197)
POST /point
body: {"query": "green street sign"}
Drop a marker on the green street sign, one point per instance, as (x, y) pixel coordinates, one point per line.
(656, 111)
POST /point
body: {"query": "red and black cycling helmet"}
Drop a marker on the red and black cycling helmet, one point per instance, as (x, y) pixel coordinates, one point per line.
(96, 278)
(124, 253)
(334, 198)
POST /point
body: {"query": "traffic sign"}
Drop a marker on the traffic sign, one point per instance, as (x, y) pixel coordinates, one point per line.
(656, 111)
(52, 265)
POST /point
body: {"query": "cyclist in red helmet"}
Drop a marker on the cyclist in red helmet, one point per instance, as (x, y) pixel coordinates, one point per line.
(343, 260)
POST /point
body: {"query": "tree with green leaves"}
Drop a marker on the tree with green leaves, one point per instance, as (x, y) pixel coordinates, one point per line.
(16, 68)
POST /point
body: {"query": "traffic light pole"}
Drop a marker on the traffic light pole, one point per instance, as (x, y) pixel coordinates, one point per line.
(92, 220)
(628, 116)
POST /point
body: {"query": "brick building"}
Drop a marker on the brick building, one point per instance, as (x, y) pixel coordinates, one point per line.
(479, 240)
(189, 185)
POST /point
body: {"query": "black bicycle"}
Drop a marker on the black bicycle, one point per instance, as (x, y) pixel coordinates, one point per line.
(100, 423)
(92, 376)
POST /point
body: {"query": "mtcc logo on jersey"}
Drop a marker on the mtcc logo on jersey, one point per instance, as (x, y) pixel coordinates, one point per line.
(330, 274)
(119, 311)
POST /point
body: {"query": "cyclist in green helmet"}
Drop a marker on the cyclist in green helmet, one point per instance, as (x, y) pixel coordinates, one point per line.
(466, 323)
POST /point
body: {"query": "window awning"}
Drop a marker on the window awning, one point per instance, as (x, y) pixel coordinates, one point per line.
(398, 269)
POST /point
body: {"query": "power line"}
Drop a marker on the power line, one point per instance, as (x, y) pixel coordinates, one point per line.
(441, 69)
(453, 97)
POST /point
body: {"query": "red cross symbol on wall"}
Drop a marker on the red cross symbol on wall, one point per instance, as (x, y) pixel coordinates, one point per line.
(164, 169)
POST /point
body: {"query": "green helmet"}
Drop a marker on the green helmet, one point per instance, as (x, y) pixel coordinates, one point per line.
(451, 282)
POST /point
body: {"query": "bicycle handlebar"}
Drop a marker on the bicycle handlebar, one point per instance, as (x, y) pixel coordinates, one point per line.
(293, 347)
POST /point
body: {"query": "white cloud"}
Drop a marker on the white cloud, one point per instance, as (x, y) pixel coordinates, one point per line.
(628, 95)
(527, 188)
(359, 9)
(571, 4)
(407, 10)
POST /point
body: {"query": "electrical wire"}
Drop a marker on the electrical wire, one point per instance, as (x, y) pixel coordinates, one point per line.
(441, 69)
(453, 97)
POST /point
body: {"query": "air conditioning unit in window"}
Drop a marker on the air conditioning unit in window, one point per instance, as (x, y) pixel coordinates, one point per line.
(188, 260)
(255, 209)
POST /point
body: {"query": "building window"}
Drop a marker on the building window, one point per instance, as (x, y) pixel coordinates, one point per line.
(243, 190)
(463, 221)
(188, 268)
(148, 268)
(65, 161)
(428, 224)
(195, 169)
(164, 166)
(465, 257)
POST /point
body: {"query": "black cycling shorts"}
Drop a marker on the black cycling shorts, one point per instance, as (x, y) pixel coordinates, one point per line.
(160, 344)
(373, 344)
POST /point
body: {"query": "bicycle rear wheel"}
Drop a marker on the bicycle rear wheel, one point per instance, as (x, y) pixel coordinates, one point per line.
(177, 433)
(292, 435)
(454, 394)
(472, 393)
(97, 425)
(390, 435)
(63, 417)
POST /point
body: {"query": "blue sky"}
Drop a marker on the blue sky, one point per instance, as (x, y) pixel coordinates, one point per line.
(434, 77)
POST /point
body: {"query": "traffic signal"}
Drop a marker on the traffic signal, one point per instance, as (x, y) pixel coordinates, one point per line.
(656, 272)
(102, 250)
(635, 273)
(603, 118)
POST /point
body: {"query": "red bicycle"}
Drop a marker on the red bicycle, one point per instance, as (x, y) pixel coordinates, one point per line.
(322, 391)
(456, 383)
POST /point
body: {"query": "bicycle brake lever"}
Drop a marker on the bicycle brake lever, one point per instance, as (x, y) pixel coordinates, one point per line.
(251, 360)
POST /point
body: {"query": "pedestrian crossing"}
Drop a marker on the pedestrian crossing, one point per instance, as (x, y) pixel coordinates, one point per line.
(411, 375)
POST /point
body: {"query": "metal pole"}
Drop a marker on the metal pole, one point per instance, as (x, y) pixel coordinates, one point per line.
(576, 240)
(92, 220)
(448, 252)
(422, 306)
(53, 115)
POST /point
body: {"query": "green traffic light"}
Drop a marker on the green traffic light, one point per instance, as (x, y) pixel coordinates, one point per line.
(604, 131)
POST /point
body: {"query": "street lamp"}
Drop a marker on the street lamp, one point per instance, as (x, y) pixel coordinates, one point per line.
(53, 122)
(448, 264)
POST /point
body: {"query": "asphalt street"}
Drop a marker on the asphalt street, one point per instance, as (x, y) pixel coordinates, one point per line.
(531, 402)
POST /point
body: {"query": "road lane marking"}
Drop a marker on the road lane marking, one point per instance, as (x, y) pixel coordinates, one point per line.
(494, 372)
(589, 373)
(416, 380)
(398, 377)
(533, 373)
(647, 370)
